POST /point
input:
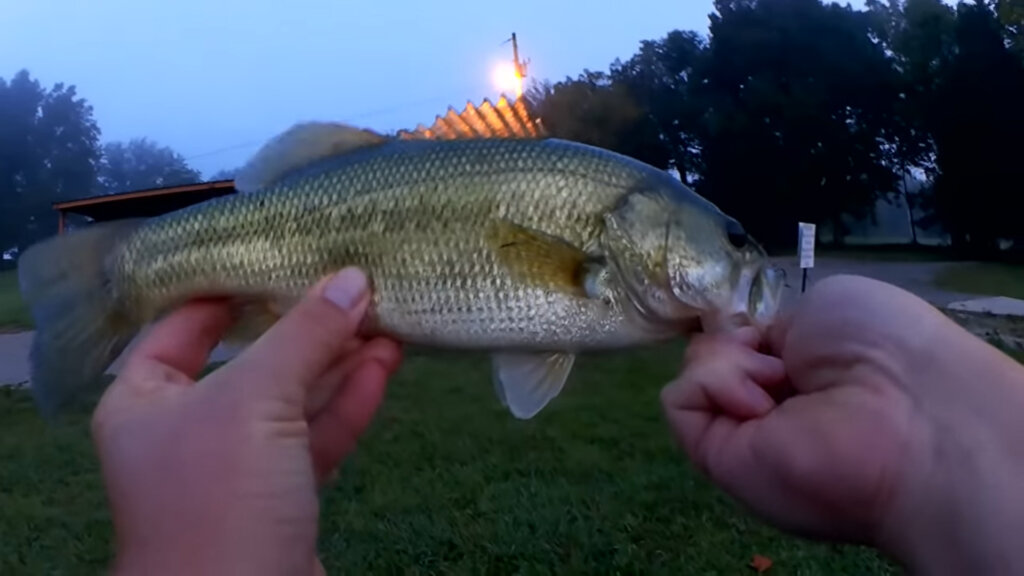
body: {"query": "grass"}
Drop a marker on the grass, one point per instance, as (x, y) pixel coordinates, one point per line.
(447, 481)
(14, 315)
(991, 279)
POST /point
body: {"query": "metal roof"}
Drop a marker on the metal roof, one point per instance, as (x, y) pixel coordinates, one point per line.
(146, 203)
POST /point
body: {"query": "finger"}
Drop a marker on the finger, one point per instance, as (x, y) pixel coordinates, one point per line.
(733, 395)
(748, 336)
(724, 378)
(738, 349)
(183, 340)
(382, 350)
(776, 333)
(335, 431)
(301, 346)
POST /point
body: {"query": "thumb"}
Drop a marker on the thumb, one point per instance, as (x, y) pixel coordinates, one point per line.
(301, 346)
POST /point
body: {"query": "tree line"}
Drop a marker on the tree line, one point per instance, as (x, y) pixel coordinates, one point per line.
(800, 110)
(783, 111)
(50, 151)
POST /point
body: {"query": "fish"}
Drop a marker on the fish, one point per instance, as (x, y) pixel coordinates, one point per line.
(481, 232)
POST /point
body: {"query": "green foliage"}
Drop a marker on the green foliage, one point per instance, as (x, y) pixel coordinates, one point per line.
(978, 132)
(799, 104)
(596, 110)
(141, 163)
(14, 314)
(983, 279)
(658, 79)
(447, 481)
(49, 151)
(1011, 16)
(225, 174)
(802, 110)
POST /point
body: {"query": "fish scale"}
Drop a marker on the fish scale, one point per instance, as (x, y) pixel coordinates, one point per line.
(530, 247)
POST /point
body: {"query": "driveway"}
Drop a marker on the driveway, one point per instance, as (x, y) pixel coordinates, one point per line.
(914, 277)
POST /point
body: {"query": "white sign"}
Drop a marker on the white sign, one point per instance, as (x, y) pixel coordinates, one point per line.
(807, 234)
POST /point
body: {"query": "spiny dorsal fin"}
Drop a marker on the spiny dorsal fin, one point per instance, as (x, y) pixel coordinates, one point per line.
(501, 120)
(299, 146)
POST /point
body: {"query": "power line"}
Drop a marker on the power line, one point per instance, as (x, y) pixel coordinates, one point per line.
(360, 116)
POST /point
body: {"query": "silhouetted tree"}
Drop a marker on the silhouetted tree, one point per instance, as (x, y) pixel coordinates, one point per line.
(800, 115)
(658, 78)
(977, 125)
(594, 110)
(141, 163)
(49, 149)
(224, 174)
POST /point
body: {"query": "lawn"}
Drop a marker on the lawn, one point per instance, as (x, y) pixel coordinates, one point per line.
(13, 313)
(982, 278)
(447, 481)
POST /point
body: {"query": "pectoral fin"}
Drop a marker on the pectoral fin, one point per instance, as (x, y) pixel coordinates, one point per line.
(526, 382)
(539, 259)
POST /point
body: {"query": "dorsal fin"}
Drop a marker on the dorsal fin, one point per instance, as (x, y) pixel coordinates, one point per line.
(299, 146)
(308, 142)
(501, 120)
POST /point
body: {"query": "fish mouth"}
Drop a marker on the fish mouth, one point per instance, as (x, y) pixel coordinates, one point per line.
(755, 300)
(764, 299)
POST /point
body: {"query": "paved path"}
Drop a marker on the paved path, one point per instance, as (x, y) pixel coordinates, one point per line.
(912, 276)
(14, 357)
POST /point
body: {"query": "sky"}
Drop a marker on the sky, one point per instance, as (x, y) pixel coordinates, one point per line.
(215, 79)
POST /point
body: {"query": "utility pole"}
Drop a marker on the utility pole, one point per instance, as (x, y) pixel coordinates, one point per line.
(520, 65)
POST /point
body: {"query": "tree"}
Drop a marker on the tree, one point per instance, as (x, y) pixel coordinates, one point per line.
(1011, 15)
(142, 163)
(595, 110)
(49, 149)
(799, 115)
(919, 35)
(224, 174)
(658, 79)
(977, 132)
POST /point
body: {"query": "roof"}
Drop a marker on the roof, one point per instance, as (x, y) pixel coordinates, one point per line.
(146, 203)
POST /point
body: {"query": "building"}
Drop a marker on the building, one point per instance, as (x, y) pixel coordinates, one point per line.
(141, 203)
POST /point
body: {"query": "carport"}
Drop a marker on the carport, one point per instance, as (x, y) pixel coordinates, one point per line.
(142, 203)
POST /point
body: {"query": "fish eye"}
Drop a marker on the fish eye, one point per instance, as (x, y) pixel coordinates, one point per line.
(737, 235)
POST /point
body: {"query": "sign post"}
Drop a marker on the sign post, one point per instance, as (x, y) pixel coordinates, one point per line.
(806, 246)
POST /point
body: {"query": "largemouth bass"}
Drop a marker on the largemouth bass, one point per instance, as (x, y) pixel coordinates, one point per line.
(480, 233)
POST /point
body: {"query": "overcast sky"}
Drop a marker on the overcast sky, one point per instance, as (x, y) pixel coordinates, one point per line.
(215, 78)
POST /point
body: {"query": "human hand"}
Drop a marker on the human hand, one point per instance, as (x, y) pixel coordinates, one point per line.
(220, 476)
(865, 416)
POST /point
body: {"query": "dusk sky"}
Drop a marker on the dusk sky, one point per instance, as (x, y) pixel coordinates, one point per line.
(215, 79)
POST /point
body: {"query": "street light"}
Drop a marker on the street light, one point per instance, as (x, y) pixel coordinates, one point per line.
(507, 79)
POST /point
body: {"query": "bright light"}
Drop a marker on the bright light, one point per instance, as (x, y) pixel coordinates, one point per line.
(506, 79)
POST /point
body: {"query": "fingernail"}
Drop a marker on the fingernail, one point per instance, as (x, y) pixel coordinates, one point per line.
(346, 288)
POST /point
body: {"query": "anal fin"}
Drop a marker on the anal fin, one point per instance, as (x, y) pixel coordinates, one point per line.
(526, 382)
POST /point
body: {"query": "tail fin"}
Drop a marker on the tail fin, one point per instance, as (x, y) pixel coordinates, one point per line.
(79, 330)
